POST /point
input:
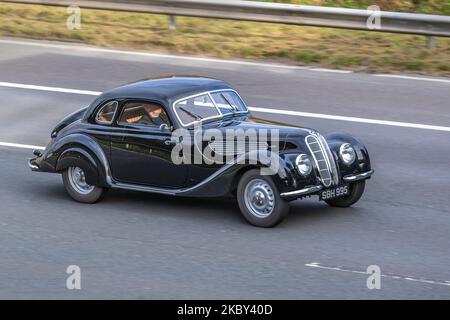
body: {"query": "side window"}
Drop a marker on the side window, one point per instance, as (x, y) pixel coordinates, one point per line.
(143, 113)
(106, 113)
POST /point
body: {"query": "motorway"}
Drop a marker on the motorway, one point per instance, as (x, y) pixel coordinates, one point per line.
(144, 246)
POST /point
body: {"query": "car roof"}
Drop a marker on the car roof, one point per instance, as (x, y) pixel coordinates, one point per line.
(164, 90)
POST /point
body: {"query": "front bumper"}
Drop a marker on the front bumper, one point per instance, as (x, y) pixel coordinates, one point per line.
(310, 190)
(359, 176)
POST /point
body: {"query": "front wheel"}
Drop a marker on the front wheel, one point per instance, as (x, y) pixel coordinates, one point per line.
(259, 200)
(356, 192)
(76, 186)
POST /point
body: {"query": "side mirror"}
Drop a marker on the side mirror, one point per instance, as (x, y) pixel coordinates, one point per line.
(164, 127)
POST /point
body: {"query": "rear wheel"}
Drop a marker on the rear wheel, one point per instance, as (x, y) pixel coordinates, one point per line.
(74, 180)
(259, 200)
(356, 192)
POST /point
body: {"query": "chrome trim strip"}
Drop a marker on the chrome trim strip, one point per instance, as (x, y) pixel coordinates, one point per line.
(324, 155)
(331, 162)
(359, 176)
(126, 186)
(214, 103)
(302, 192)
(134, 187)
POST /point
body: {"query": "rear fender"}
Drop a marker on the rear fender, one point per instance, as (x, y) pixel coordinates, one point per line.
(78, 157)
(80, 149)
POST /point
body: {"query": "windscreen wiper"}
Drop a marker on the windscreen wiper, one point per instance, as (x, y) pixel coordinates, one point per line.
(228, 101)
(193, 115)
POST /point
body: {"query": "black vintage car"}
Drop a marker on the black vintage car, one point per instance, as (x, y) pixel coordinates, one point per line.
(148, 135)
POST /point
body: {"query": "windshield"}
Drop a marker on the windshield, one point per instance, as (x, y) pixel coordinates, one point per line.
(202, 107)
(228, 102)
(196, 108)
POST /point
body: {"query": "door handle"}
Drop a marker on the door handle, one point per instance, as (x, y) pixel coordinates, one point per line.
(169, 142)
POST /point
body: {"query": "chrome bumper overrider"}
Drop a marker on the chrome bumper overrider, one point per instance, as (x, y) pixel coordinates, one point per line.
(313, 189)
(33, 166)
(359, 176)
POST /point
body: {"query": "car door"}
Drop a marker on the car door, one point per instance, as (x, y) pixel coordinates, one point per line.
(141, 150)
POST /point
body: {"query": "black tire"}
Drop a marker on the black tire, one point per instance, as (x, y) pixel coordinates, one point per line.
(92, 195)
(356, 192)
(265, 186)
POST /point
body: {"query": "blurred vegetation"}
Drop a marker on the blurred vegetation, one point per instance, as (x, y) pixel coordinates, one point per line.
(325, 47)
(441, 7)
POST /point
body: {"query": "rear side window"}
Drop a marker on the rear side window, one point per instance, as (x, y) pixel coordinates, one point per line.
(106, 113)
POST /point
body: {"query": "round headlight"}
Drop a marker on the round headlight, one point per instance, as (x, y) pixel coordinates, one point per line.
(303, 164)
(347, 153)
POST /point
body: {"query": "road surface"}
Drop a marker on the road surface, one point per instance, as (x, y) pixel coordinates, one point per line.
(144, 246)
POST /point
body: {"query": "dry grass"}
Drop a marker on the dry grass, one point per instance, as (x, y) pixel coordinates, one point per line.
(370, 51)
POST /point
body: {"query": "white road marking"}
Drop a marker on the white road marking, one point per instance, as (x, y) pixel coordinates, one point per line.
(330, 70)
(256, 109)
(51, 89)
(412, 78)
(23, 146)
(391, 276)
(352, 119)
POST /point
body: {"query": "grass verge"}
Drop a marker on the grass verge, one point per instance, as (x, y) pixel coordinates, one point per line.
(325, 47)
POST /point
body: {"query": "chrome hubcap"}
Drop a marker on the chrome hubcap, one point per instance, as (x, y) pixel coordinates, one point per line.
(259, 198)
(77, 180)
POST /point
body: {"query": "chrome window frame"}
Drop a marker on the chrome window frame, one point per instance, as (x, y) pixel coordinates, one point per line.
(101, 108)
(209, 93)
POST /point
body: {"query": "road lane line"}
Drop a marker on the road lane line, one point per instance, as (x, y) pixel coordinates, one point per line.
(411, 78)
(256, 109)
(330, 70)
(351, 119)
(51, 89)
(18, 145)
(391, 276)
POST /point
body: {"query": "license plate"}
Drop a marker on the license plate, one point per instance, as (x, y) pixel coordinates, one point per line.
(332, 193)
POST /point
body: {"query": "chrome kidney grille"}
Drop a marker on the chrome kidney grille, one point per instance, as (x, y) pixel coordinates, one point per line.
(323, 159)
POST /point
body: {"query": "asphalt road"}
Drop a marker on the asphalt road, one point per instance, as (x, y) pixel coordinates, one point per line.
(137, 245)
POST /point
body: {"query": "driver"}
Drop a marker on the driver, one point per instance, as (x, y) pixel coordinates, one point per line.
(151, 114)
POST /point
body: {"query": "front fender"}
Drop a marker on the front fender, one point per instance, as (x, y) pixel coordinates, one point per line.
(226, 178)
(362, 163)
